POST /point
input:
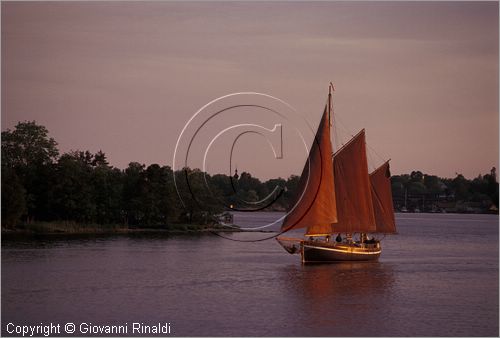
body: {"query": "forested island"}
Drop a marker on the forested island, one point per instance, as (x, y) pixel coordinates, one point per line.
(78, 191)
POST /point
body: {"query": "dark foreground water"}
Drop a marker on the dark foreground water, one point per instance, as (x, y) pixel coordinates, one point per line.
(437, 277)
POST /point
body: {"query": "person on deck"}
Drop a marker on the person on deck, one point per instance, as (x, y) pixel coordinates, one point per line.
(364, 237)
(371, 240)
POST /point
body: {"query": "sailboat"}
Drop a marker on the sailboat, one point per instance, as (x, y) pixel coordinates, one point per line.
(339, 203)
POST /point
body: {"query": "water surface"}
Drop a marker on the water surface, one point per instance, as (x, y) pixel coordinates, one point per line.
(437, 277)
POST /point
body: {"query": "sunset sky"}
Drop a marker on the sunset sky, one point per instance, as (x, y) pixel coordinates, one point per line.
(125, 77)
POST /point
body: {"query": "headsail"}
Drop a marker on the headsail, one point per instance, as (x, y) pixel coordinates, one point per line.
(380, 180)
(336, 194)
(352, 188)
(314, 206)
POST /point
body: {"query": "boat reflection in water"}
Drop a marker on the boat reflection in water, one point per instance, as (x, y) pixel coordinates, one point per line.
(342, 299)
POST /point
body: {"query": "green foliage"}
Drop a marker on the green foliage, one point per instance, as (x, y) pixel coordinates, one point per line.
(201, 197)
(133, 187)
(79, 188)
(433, 184)
(13, 198)
(73, 192)
(483, 190)
(69, 227)
(28, 145)
(461, 187)
(31, 153)
(417, 188)
(157, 193)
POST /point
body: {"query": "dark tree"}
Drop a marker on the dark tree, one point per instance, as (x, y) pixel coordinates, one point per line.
(73, 193)
(13, 198)
(133, 189)
(31, 153)
(28, 145)
(107, 184)
(156, 199)
(461, 186)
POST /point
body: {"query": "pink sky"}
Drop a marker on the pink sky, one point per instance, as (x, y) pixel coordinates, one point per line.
(125, 77)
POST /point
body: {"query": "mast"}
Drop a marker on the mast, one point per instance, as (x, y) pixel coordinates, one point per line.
(314, 206)
(330, 104)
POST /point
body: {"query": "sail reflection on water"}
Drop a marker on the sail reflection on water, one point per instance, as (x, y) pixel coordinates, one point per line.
(337, 295)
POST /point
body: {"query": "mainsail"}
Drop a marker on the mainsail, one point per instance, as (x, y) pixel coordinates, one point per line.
(352, 188)
(315, 206)
(336, 194)
(380, 180)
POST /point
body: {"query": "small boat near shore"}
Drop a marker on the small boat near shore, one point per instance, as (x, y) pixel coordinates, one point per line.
(338, 197)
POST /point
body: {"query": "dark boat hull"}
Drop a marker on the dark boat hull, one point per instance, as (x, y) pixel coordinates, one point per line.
(313, 252)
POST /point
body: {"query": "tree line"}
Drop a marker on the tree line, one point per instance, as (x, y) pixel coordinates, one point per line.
(433, 193)
(40, 184)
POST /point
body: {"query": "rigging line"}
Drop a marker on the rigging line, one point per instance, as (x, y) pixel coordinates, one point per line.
(350, 141)
(371, 161)
(379, 156)
(342, 124)
(335, 134)
(350, 133)
(343, 137)
(339, 137)
(291, 226)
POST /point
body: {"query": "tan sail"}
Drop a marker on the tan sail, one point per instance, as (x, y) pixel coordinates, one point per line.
(380, 180)
(315, 206)
(340, 197)
(352, 188)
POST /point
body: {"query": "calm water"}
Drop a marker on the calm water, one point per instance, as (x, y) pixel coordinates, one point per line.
(438, 277)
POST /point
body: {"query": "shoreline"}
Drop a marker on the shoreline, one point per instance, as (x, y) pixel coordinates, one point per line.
(70, 229)
(61, 230)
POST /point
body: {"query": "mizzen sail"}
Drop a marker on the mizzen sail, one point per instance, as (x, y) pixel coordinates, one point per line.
(352, 188)
(314, 206)
(380, 180)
